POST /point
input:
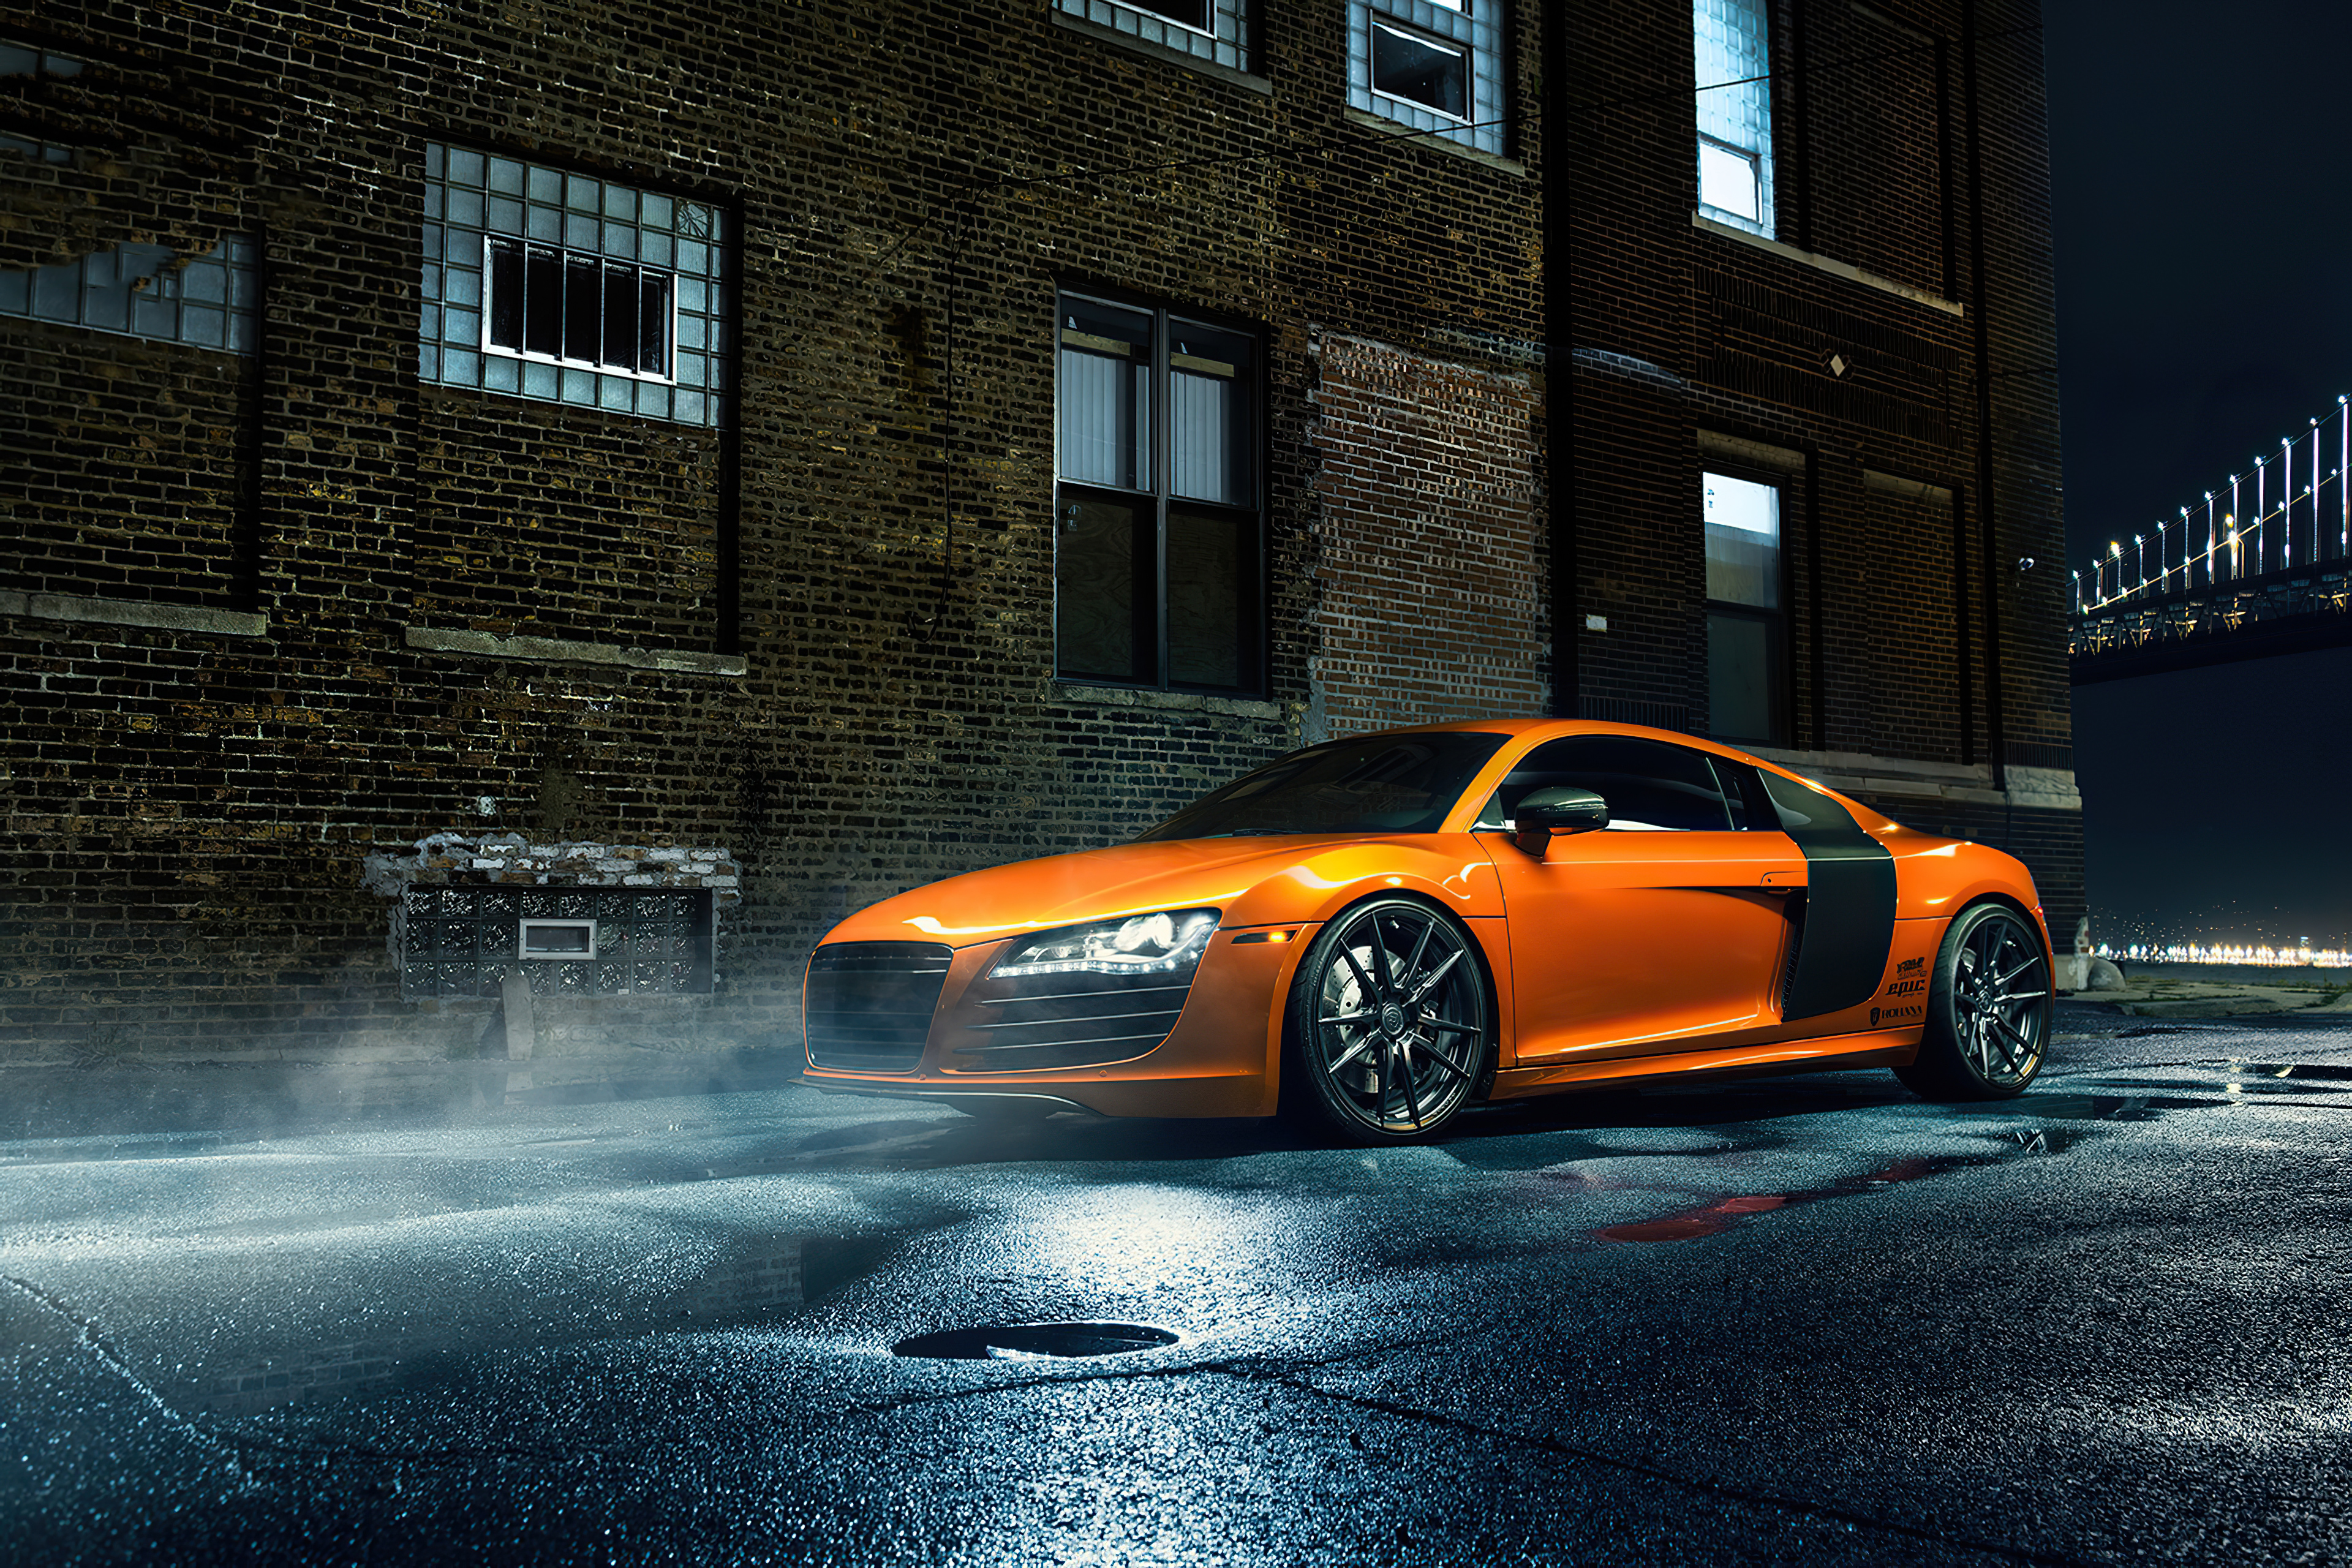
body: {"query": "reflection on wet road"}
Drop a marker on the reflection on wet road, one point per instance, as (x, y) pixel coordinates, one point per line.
(1813, 1320)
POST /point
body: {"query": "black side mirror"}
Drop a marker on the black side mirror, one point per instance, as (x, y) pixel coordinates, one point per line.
(1562, 809)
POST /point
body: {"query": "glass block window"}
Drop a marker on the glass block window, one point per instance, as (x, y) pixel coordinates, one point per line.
(1735, 113)
(145, 291)
(542, 283)
(1434, 65)
(1213, 30)
(463, 942)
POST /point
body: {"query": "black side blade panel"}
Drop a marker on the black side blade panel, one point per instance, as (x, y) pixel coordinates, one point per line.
(1849, 903)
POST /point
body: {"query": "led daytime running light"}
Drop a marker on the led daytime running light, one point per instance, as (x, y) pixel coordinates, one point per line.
(1164, 943)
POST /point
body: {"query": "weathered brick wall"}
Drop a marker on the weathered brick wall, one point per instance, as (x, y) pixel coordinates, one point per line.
(539, 521)
(879, 533)
(1867, 119)
(1431, 569)
(121, 466)
(122, 462)
(1916, 152)
(870, 546)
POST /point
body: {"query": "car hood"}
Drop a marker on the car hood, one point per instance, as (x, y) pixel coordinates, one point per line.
(1096, 884)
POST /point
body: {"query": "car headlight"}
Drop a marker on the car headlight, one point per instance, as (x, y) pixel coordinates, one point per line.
(1169, 943)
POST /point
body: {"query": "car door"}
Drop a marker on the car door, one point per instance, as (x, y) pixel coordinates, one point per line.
(1845, 920)
(1667, 930)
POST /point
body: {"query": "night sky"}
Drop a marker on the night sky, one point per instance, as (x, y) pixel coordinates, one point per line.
(2204, 311)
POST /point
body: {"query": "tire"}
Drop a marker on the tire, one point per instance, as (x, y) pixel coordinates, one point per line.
(1388, 1032)
(1989, 1010)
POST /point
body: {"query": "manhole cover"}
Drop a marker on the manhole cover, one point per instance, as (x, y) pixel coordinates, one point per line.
(1036, 1342)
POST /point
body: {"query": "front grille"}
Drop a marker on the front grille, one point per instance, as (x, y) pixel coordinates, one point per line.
(868, 1004)
(1066, 1021)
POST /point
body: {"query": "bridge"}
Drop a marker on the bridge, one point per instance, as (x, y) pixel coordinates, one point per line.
(2263, 566)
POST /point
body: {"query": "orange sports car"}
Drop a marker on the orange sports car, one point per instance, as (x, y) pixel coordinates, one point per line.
(1375, 932)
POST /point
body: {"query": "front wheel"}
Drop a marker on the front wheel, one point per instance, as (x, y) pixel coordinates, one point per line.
(1988, 1008)
(1388, 1032)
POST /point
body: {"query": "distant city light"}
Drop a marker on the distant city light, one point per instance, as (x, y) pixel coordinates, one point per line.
(2258, 954)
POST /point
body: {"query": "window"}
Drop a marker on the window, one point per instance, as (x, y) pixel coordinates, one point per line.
(1157, 560)
(1434, 65)
(1213, 30)
(549, 303)
(1745, 623)
(145, 291)
(1735, 114)
(1368, 784)
(1651, 787)
(545, 284)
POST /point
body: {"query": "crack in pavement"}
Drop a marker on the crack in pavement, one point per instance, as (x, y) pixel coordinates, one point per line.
(88, 1336)
(1752, 1497)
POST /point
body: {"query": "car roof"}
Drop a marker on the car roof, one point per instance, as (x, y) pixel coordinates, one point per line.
(1554, 729)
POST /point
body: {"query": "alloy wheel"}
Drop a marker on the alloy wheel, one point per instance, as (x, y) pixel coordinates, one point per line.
(1398, 1029)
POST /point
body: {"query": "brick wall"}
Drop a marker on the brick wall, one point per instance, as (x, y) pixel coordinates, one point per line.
(1899, 329)
(537, 520)
(1432, 567)
(824, 637)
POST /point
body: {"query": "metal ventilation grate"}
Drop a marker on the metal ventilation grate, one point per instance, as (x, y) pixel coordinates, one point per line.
(868, 1004)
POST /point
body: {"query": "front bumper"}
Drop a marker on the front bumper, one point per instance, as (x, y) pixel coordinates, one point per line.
(1222, 1058)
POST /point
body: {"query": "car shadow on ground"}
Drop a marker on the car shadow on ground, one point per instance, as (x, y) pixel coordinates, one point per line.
(953, 1139)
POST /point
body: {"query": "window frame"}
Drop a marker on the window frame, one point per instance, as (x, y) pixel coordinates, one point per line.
(1472, 28)
(1253, 649)
(668, 377)
(1780, 682)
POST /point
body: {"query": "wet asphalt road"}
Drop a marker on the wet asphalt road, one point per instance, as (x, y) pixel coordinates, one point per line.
(1809, 1320)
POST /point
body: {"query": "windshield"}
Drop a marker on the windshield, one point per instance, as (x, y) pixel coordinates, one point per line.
(1374, 783)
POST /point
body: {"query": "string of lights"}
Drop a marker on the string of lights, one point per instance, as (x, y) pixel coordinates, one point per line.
(2239, 544)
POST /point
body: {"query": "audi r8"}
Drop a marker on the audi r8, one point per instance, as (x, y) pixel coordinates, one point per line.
(1374, 933)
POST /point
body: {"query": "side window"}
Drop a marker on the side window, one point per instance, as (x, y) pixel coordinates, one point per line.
(1743, 792)
(1799, 808)
(1650, 786)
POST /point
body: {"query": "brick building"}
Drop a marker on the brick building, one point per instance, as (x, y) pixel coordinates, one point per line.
(694, 471)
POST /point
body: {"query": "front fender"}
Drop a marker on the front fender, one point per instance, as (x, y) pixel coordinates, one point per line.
(1452, 873)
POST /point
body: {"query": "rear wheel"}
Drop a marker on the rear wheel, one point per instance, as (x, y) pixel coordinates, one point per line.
(1389, 1030)
(1989, 1006)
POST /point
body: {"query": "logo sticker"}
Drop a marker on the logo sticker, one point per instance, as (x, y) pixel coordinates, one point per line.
(1907, 988)
(1909, 966)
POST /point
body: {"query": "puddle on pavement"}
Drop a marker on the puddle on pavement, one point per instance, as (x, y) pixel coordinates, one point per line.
(1718, 1216)
(2327, 1072)
(2113, 1107)
(1036, 1341)
(2033, 1136)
